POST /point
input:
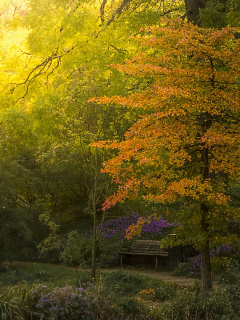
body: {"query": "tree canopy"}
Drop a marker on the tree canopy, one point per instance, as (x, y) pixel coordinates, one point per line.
(185, 148)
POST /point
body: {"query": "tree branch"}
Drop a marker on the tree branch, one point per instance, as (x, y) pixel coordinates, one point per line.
(118, 11)
(39, 69)
(102, 10)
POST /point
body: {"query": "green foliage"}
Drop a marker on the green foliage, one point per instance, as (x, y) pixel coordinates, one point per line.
(14, 303)
(124, 295)
(54, 57)
(182, 270)
(130, 307)
(194, 305)
(122, 283)
(220, 14)
(227, 271)
(77, 250)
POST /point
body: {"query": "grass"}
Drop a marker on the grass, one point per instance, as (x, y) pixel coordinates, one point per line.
(42, 273)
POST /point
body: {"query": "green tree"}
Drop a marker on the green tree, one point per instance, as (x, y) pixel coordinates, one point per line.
(53, 58)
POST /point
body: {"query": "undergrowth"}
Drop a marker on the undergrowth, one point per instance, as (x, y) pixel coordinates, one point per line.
(119, 295)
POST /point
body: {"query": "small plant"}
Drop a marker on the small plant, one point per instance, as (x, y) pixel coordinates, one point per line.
(121, 282)
(14, 303)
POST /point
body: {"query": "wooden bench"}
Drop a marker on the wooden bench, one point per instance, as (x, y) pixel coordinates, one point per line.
(145, 248)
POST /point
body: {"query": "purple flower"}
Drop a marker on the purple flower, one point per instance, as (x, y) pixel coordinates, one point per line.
(116, 228)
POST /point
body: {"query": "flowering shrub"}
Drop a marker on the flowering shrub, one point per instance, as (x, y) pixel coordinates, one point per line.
(66, 303)
(114, 233)
(116, 228)
(216, 261)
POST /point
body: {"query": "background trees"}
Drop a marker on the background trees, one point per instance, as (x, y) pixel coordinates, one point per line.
(54, 57)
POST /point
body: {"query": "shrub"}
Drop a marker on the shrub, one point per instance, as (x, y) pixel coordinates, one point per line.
(66, 303)
(228, 272)
(77, 250)
(121, 282)
(221, 260)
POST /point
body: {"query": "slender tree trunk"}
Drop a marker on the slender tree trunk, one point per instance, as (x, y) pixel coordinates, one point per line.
(95, 227)
(94, 252)
(206, 281)
(206, 122)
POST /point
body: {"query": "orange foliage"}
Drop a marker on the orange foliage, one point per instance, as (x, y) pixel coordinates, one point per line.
(186, 147)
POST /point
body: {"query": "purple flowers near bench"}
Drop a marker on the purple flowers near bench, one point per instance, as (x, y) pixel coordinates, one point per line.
(116, 228)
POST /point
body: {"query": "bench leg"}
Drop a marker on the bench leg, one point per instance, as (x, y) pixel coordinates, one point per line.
(121, 261)
(156, 262)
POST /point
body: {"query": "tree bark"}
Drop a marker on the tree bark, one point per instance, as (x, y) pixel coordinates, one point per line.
(192, 13)
(206, 281)
(94, 207)
(206, 122)
(94, 252)
(192, 10)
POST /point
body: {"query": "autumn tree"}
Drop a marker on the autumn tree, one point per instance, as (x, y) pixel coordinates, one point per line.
(185, 148)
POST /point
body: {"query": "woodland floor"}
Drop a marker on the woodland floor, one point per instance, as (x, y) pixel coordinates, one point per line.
(163, 275)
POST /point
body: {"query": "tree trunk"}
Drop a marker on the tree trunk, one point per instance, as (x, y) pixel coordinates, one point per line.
(192, 10)
(206, 122)
(206, 281)
(94, 207)
(94, 252)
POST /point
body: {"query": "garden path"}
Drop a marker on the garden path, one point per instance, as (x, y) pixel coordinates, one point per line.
(163, 275)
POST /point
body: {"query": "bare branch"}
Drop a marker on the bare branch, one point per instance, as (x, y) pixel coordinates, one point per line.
(38, 70)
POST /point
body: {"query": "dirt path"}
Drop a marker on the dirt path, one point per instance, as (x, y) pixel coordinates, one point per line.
(165, 276)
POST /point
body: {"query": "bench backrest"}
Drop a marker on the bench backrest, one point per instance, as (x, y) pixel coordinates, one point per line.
(146, 246)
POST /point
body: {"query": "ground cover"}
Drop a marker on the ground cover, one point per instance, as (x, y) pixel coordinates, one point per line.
(57, 292)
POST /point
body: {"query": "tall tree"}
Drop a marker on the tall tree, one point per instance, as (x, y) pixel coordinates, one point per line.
(192, 10)
(186, 145)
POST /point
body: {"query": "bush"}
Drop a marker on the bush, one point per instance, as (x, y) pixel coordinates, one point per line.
(221, 263)
(228, 272)
(66, 303)
(77, 250)
(121, 282)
